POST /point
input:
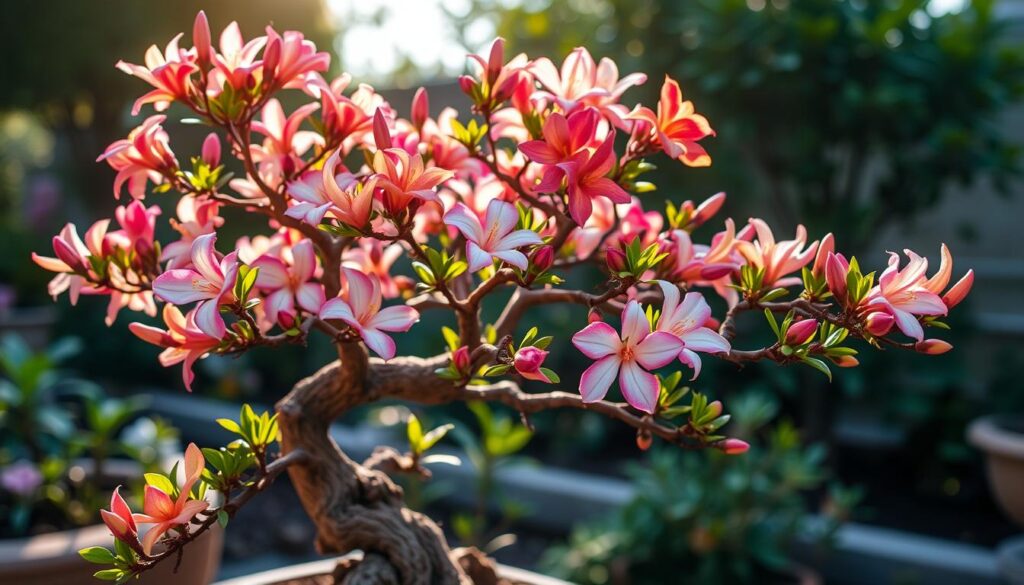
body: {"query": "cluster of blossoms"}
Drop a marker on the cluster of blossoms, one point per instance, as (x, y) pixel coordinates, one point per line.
(543, 177)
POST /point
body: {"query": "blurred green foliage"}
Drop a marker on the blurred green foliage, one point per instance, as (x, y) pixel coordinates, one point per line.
(712, 517)
(844, 115)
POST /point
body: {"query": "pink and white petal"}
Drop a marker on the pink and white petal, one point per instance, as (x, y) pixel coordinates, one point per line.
(477, 257)
(273, 273)
(518, 239)
(337, 309)
(175, 286)
(597, 340)
(639, 387)
(396, 318)
(360, 291)
(279, 301)
(501, 218)
(466, 221)
(908, 324)
(151, 537)
(706, 340)
(379, 342)
(634, 323)
(303, 260)
(310, 297)
(671, 298)
(692, 359)
(204, 257)
(922, 302)
(513, 257)
(598, 378)
(657, 349)
(208, 319)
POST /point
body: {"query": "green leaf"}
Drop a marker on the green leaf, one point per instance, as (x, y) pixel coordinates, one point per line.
(160, 482)
(551, 375)
(819, 365)
(98, 555)
(414, 431)
(451, 337)
(222, 518)
(109, 574)
(431, 438)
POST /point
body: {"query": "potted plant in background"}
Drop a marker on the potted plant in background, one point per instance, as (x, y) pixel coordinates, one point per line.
(1001, 438)
(723, 521)
(532, 189)
(64, 448)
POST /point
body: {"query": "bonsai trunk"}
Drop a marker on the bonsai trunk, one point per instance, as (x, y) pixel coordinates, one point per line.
(358, 508)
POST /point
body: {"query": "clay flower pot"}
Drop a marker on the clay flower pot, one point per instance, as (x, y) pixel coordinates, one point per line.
(319, 573)
(53, 559)
(1002, 439)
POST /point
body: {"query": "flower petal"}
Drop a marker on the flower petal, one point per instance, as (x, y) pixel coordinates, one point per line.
(597, 340)
(639, 387)
(598, 378)
(657, 350)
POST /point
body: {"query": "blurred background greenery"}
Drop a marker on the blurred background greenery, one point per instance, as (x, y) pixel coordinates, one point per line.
(884, 121)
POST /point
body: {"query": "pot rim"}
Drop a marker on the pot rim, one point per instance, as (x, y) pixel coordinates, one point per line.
(989, 434)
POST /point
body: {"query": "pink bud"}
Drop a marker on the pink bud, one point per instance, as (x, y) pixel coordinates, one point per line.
(211, 149)
(734, 447)
(420, 107)
(594, 316)
(542, 259)
(616, 259)
(836, 268)
(879, 323)
(801, 332)
(826, 247)
(68, 255)
(932, 346)
(271, 59)
(959, 291)
(506, 90)
(460, 359)
(529, 359)
(285, 320)
(381, 133)
(495, 60)
(644, 439)
(467, 84)
(201, 38)
(715, 271)
(707, 209)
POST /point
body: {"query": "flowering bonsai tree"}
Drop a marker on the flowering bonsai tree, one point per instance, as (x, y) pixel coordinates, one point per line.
(543, 177)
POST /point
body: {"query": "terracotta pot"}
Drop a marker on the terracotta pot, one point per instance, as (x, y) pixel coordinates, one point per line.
(1002, 439)
(318, 573)
(53, 559)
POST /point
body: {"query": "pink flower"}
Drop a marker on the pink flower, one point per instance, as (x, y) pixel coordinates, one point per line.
(169, 73)
(144, 156)
(360, 309)
(196, 216)
(288, 283)
(236, 61)
(372, 257)
(688, 322)
(778, 259)
(167, 513)
(629, 355)
(528, 362)
(290, 57)
(184, 341)
(495, 80)
(498, 238)
(734, 447)
(402, 178)
(210, 281)
(563, 137)
(677, 127)
(583, 82)
(904, 294)
(333, 190)
(72, 259)
(284, 142)
(119, 518)
(586, 176)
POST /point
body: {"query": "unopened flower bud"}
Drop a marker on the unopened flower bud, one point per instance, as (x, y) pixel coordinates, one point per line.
(285, 320)
(542, 259)
(528, 362)
(879, 323)
(593, 316)
(644, 439)
(801, 332)
(495, 61)
(836, 268)
(734, 447)
(420, 107)
(381, 132)
(460, 359)
(68, 255)
(826, 247)
(616, 260)
(932, 346)
(201, 38)
(211, 149)
(467, 84)
(707, 210)
(845, 361)
(271, 59)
